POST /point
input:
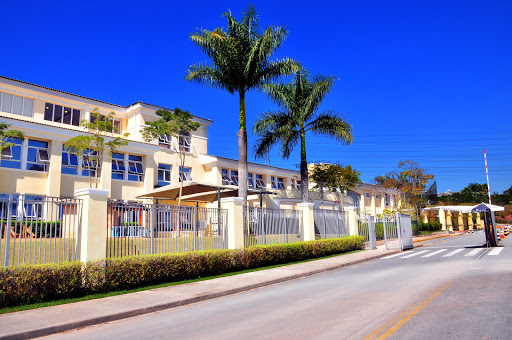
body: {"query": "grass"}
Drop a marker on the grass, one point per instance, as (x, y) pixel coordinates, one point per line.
(26, 251)
(121, 292)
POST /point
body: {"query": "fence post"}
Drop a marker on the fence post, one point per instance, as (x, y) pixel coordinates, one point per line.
(7, 230)
(385, 233)
(399, 230)
(153, 225)
(308, 220)
(262, 220)
(371, 232)
(235, 225)
(286, 227)
(93, 234)
(338, 216)
(352, 221)
(194, 226)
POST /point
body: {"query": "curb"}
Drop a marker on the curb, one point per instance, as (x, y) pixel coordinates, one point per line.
(141, 311)
(433, 238)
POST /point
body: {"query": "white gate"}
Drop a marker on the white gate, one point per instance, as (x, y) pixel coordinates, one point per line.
(405, 231)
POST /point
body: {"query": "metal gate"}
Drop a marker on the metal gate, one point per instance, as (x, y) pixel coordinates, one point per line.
(394, 229)
(405, 231)
(330, 223)
(366, 228)
(271, 226)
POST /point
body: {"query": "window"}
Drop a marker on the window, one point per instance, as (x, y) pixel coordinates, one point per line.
(277, 182)
(367, 195)
(296, 184)
(185, 174)
(386, 200)
(185, 141)
(17, 105)
(377, 196)
(250, 179)
(226, 179)
(32, 206)
(164, 174)
(69, 162)
(37, 155)
(135, 168)
(11, 155)
(165, 141)
(118, 167)
(234, 177)
(89, 162)
(116, 123)
(61, 114)
(259, 181)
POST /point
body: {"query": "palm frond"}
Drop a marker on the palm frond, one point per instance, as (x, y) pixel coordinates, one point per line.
(331, 124)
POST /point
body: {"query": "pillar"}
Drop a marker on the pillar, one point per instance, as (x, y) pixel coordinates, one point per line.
(372, 205)
(235, 228)
(424, 216)
(352, 221)
(54, 168)
(105, 180)
(308, 220)
(442, 219)
(449, 223)
(470, 221)
(460, 221)
(93, 235)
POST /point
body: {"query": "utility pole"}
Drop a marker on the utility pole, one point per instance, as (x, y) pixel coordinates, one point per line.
(487, 173)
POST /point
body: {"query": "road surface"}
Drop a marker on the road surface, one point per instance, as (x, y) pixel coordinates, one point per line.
(453, 290)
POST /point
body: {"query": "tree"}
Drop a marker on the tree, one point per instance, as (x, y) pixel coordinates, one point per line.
(413, 180)
(336, 178)
(91, 148)
(241, 62)
(298, 114)
(172, 123)
(6, 135)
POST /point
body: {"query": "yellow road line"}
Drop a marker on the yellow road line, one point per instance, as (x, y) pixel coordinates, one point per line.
(378, 331)
(402, 322)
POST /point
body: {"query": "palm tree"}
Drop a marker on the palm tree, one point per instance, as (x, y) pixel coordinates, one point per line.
(240, 63)
(298, 113)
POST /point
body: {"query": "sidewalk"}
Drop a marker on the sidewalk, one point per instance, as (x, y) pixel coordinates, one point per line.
(55, 319)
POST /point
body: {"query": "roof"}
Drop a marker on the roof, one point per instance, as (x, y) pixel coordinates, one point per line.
(467, 208)
(252, 163)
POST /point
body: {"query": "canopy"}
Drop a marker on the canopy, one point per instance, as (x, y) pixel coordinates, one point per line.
(199, 192)
(467, 208)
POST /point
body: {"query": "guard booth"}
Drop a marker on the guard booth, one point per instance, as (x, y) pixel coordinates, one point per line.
(491, 236)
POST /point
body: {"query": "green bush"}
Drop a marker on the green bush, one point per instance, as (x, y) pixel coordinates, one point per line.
(38, 283)
(430, 226)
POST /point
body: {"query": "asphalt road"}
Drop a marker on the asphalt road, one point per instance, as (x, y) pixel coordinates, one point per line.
(453, 290)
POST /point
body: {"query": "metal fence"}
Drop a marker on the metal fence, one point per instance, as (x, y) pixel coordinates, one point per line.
(39, 229)
(271, 226)
(366, 228)
(142, 229)
(330, 223)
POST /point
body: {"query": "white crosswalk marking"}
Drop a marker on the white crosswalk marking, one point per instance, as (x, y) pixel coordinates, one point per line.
(453, 252)
(495, 251)
(474, 252)
(398, 254)
(414, 254)
(435, 253)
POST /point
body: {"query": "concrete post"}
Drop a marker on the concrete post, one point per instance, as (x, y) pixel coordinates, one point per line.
(442, 219)
(470, 221)
(460, 221)
(352, 221)
(424, 216)
(372, 205)
(93, 235)
(308, 220)
(54, 169)
(449, 223)
(235, 208)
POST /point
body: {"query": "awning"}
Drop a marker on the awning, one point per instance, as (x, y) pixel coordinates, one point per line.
(467, 208)
(199, 192)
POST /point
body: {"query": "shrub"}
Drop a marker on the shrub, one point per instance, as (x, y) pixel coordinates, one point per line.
(37, 283)
(430, 226)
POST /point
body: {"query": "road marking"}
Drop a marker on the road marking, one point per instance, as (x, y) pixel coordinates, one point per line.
(402, 322)
(495, 251)
(453, 253)
(474, 252)
(414, 254)
(435, 253)
(398, 254)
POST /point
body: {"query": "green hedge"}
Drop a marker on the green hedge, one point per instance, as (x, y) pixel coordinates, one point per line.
(431, 226)
(38, 283)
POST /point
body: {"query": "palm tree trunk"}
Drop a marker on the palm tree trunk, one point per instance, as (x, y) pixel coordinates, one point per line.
(242, 151)
(304, 180)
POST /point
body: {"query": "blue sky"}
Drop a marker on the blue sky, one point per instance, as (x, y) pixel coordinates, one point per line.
(429, 82)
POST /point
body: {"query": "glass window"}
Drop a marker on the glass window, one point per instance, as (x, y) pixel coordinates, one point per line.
(164, 174)
(7, 102)
(250, 180)
(28, 107)
(165, 141)
(185, 174)
(69, 162)
(259, 181)
(76, 117)
(37, 155)
(48, 112)
(135, 168)
(280, 183)
(226, 179)
(60, 114)
(234, 177)
(66, 117)
(118, 166)
(11, 156)
(273, 182)
(17, 105)
(185, 141)
(57, 113)
(89, 162)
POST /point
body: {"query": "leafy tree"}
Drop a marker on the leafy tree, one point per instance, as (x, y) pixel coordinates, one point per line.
(5, 135)
(413, 180)
(298, 103)
(91, 148)
(240, 62)
(173, 123)
(337, 178)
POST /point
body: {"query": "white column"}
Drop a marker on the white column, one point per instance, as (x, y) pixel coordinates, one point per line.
(352, 221)
(234, 206)
(308, 220)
